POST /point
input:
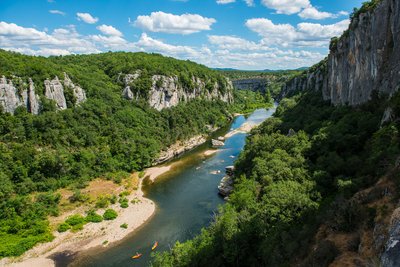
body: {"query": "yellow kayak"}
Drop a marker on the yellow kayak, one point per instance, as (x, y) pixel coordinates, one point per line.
(137, 256)
(154, 246)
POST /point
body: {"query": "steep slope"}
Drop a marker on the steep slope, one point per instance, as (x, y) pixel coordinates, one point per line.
(65, 122)
(365, 59)
(160, 81)
(317, 185)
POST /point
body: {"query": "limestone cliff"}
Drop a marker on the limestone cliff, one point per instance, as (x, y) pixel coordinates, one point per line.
(23, 94)
(365, 59)
(253, 84)
(168, 91)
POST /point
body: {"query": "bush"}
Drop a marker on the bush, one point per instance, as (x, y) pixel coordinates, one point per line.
(92, 216)
(124, 225)
(75, 220)
(110, 214)
(63, 227)
(77, 227)
(102, 202)
(124, 202)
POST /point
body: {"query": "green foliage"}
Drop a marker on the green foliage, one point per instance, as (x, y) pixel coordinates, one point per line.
(110, 214)
(124, 202)
(63, 227)
(124, 225)
(75, 220)
(77, 196)
(366, 7)
(247, 101)
(92, 216)
(289, 182)
(107, 136)
(102, 202)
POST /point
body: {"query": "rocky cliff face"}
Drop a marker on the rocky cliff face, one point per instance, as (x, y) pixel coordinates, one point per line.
(167, 91)
(255, 84)
(365, 59)
(13, 96)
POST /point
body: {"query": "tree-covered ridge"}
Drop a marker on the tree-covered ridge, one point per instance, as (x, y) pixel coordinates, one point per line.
(98, 73)
(297, 171)
(102, 137)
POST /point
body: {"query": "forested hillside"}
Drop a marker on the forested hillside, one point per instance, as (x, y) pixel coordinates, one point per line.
(105, 135)
(298, 171)
(317, 184)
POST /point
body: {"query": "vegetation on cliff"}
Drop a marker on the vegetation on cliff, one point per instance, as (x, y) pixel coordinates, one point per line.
(297, 171)
(102, 137)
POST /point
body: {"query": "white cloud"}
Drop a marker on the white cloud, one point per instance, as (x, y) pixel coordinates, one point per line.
(58, 12)
(313, 13)
(249, 2)
(63, 40)
(303, 8)
(235, 43)
(224, 2)
(86, 17)
(109, 30)
(148, 44)
(304, 34)
(286, 6)
(169, 23)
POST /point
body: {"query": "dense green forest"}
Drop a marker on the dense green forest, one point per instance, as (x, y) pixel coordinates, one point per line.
(100, 138)
(275, 79)
(98, 73)
(297, 171)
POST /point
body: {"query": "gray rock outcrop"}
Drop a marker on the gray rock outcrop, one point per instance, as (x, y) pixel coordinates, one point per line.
(12, 96)
(9, 97)
(254, 84)
(54, 90)
(391, 255)
(167, 91)
(33, 100)
(79, 93)
(365, 59)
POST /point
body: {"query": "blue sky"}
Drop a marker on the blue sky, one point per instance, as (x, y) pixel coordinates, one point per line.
(243, 34)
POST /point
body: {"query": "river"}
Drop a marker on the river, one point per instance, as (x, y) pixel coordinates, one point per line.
(186, 198)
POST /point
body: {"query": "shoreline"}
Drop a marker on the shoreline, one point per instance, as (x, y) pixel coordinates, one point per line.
(93, 234)
(107, 233)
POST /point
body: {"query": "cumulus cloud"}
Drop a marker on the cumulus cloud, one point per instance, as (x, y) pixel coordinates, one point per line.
(86, 17)
(109, 30)
(303, 8)
(169, 23)
(287, 7)
(304, 34)
(224, 2)
(62, 40)
(235, 43)
(58, 12)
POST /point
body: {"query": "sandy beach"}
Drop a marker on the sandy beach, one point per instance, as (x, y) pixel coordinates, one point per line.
(92, 235)
(245, 128)
(98, 234)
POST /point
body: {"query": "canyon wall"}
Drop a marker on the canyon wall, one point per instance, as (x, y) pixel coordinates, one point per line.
(365, 59)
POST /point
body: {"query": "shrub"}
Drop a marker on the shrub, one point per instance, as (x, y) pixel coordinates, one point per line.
(63, 227)
(110, 214)
(102, 202)
(113, 199)
(124, 225)
(124, 202)
(92, 216)
(77, 227)
(75, 220)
